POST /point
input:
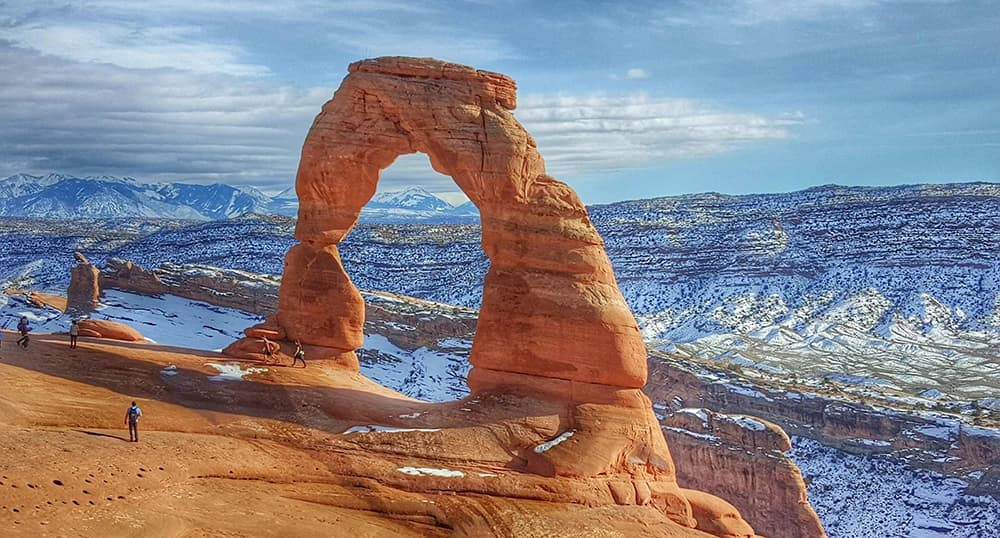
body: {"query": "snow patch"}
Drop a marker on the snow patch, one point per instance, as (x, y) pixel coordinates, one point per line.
(232, 371)
(546, 446)
(430, 471)
(373, 428)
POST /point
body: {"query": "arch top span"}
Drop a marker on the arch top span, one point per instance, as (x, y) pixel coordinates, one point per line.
(487, 84)
(551, 306)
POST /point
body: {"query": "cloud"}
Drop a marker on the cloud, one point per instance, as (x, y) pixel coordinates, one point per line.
(96, 118)
(374, 38)
(591, 134)
(586, 135)
(763, 12)
(135, 46)
(636, 74)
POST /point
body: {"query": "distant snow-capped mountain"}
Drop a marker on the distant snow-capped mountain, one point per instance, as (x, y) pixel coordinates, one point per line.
(216, 201)
(59, 196)
(411, 205)
(413, 198)
(415, 205)
(62, 196)
(23, 184)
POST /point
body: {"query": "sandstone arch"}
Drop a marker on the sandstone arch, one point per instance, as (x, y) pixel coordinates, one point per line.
(551, 307)
(553, 325)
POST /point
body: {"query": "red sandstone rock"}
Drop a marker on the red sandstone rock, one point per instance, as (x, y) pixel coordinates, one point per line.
(128, 276)
(553, 331)
(109, 329)
(551, 306)
(716, 517)
(229, 288)
(84, 292)
(741, 459)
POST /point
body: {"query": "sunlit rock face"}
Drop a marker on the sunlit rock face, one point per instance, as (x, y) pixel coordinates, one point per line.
(83, 295)
(557, 351)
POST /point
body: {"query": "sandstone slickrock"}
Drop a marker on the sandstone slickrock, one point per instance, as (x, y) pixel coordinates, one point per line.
(84, 291)
(100, 328)
(557, 351)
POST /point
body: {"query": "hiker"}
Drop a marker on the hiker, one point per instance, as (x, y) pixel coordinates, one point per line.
(132, 419)
(74, 333)
(300, 354)
(22, 327)
(268, 350)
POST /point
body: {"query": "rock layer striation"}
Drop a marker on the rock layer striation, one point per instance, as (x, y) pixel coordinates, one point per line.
(551, 306)
(555, 339)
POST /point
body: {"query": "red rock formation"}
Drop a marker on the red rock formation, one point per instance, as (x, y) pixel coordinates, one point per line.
(551, 306)
(742, 459)
(229, 288)
(125, 275)
(84, 292)
(113, 330)
(554, 330)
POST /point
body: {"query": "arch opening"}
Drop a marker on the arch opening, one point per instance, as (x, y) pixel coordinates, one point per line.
(426, 246)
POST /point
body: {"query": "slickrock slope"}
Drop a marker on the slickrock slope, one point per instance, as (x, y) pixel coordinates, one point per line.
(554, 333)
(284, 452)
(100, 328)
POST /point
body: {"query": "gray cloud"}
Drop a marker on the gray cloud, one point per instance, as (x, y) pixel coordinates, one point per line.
(584, 134)
(165, 124)
(160, 124)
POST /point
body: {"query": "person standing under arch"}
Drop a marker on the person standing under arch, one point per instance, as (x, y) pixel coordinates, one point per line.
(74, 333)
(269, 349)
(300, 354)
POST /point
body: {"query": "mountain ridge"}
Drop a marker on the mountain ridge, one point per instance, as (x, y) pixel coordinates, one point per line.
(66, 196)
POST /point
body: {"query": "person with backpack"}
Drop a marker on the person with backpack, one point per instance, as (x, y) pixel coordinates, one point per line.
(23, 328)
(300, 354)
(132, 415)
(74, 333)
(268, 350)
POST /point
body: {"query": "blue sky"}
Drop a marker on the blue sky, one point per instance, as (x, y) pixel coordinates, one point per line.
(625, 99)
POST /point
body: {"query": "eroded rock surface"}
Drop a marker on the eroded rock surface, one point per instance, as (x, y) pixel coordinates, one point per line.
(102, 328)
(557, 351)
(230, 288)
(551, 307)
(83, 295)
(742, 459)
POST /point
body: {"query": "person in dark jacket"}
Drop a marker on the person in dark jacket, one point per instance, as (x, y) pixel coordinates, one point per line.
(132, 415)
(23, 328)
(74, 333)
(300, 354)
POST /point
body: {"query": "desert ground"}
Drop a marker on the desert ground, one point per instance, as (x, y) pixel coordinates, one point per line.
(283, 452)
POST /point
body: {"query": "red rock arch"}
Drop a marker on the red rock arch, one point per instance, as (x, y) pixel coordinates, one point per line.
(553, 322)
(551, 306)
